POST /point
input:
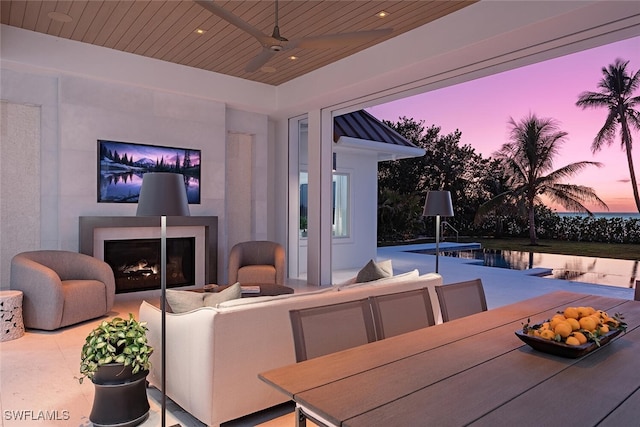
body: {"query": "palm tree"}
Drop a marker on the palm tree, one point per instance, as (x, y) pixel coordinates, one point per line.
(528, 160)
(617, 87)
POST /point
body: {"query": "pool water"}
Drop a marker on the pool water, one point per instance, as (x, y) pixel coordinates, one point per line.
(601, 271)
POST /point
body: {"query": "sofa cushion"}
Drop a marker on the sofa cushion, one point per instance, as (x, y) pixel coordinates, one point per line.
(410, 275)
(255, 300)
(182, 301)
(374, 271)
(257, 274)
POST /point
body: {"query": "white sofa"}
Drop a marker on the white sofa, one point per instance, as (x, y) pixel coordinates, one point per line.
(214, 354)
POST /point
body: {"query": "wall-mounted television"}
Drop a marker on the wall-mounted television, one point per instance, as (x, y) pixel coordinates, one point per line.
(121, 166)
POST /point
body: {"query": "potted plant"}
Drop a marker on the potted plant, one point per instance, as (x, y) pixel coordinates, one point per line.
(115, 357)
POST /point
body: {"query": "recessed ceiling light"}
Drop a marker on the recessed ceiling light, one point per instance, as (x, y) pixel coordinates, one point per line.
(293, 57)
(382, 14)
(200, 31)
(268, 69)
(59, 17)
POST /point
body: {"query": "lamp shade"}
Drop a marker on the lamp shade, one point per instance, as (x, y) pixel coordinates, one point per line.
(438, 203)
(163, 193)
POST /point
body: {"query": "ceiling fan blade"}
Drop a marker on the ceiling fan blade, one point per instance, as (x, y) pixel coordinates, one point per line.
(336, 40)
(259, 60)
(234, 20)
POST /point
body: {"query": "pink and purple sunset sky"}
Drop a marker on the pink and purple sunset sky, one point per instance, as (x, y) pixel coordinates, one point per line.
(481, 108)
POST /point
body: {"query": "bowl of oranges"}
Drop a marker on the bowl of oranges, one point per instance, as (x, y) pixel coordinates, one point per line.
(573, 332)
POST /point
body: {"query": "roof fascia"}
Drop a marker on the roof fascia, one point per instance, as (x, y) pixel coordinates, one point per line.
(385, 151)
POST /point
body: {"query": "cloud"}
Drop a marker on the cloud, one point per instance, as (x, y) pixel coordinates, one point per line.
(624, 180)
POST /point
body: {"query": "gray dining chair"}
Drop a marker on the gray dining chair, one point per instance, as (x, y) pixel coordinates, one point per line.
(402, 312)
(461, 299)
(330, 328)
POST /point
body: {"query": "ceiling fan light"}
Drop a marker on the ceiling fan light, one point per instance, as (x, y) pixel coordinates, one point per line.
(275, 47)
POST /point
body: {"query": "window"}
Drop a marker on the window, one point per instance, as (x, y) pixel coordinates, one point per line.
(340, 205)
(340, 208)
(304, 203)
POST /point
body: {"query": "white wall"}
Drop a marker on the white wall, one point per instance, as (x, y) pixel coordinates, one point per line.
(20, 147)
(361, 245)
(77, 111)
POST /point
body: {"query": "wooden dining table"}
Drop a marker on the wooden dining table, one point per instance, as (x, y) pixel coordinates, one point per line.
(475, 371)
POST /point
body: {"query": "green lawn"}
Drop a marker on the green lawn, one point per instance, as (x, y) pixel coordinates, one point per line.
(599, 250)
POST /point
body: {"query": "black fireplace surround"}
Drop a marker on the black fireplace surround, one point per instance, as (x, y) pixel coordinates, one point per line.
(88, 224)
(136, 263)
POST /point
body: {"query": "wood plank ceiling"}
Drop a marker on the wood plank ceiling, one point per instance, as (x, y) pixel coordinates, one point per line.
(166, 30)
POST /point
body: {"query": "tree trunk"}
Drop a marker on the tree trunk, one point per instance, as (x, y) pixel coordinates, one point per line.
(532, 226)
(626, 139)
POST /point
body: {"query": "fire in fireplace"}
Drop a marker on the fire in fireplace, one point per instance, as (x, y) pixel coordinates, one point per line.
(136, 263)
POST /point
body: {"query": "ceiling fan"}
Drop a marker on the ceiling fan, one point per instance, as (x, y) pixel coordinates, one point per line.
(271, 44)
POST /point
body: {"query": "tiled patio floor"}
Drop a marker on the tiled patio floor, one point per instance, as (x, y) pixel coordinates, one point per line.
(502, 286)
(37, 370)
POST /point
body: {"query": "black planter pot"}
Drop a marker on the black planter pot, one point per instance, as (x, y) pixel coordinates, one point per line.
(120, 397)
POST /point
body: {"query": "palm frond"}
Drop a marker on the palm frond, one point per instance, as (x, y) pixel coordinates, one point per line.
(570, 170)
(574, 197)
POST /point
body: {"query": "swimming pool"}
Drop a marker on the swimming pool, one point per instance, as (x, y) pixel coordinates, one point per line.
(601, 271)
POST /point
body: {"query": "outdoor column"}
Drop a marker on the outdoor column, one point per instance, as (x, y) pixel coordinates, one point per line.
(320, 179)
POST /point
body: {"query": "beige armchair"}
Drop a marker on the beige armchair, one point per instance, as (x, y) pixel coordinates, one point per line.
(257, 262)
(61, 288)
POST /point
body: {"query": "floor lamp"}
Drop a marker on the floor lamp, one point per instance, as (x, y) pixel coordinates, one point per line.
(438, 203)
(163, 194)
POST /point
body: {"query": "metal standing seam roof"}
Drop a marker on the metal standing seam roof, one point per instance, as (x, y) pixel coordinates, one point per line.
(362, 125)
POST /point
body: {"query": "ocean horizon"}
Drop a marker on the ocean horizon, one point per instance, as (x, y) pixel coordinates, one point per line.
(607, 215)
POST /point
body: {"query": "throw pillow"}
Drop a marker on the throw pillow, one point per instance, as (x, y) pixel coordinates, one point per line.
(182, 301)
(212, 299)
(374, 271)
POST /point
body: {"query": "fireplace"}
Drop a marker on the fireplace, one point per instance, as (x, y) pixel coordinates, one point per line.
(94, 230)
(136, 263)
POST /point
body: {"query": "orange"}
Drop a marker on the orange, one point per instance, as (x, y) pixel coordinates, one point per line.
(583, 311)
(571, 313)
(557, 318)
(563, 329)
(596, 318)
(544, 326)
(572, 341)
(603, 329)
(547, 334)
(580, 337)
(611, 322)
(575, 325)
(588, 323)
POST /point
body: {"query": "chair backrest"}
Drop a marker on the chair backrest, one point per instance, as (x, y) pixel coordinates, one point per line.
(636, 296)
(330, 328)
(401, 312)
(461, 299)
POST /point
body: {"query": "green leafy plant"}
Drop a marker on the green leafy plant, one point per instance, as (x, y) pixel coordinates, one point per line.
(116, 341)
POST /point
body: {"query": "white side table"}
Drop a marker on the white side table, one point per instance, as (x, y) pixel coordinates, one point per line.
(11, 324)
